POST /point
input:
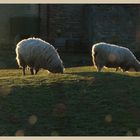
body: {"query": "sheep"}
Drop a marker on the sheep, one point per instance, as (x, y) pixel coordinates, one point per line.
(36, 53)
(113, 56)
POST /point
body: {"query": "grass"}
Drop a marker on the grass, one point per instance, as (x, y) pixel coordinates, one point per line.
(80, 102)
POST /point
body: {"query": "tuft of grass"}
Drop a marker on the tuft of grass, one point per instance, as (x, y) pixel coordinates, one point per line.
(80, 102)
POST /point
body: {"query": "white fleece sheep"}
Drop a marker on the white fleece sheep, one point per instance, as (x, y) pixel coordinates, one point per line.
(113, 56)
(36, 53)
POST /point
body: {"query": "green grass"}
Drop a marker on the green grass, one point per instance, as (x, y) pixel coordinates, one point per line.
(80, 102)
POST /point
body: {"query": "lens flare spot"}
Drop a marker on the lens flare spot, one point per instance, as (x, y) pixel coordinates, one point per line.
(5, 90)
(19, 133)
(111, 58)
(108, 118)
(32, 119)
(129, 133)
(13, 119)
(54, 133)
(131, 69)
(59, 110)
(138, 131)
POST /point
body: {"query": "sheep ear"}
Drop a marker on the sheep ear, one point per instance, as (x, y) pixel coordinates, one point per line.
(56, 49)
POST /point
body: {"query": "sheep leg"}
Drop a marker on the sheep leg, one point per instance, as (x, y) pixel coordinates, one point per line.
(22, 64)
(124, 70)
(32, 71)
(117, 68)
(23, 69)
(36, 70)
(99, 68)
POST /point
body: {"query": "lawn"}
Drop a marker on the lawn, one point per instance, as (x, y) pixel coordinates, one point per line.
(80, 102)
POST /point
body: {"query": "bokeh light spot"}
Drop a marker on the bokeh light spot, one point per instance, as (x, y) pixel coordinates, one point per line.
(138, 131)
(19, 133)
(5, 90)
(111, 58)
(108, 118)
(129, 133)
(54, 133)
(32, 119)
(59, 110)
(132, 69)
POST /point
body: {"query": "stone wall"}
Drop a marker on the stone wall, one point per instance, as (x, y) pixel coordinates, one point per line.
(76, 26)
(92, 23)
(66, 20)
(8, 11)
(65, 24)
(43, 22)
(112, 23)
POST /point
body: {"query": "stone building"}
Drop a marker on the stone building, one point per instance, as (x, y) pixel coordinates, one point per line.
(17, 19)
(78, 26)
(72, 27)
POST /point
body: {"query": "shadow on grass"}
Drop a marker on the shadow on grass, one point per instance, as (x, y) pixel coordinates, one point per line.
(111, 75)
(100, 104)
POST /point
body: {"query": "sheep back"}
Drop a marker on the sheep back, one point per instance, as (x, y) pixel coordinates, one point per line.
(113, 56)
(37, 53)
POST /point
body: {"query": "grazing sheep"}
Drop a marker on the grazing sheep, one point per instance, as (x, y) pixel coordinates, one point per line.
(36, 53)
(113, 56)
